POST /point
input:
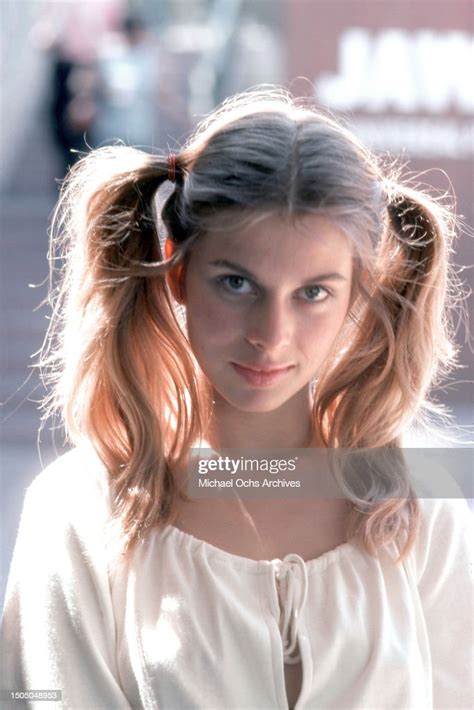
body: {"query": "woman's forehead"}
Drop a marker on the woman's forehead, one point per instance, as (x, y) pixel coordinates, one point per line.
(267, 234)
(273, 250)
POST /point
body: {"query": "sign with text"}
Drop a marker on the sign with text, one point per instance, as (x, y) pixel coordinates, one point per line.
(400, 75)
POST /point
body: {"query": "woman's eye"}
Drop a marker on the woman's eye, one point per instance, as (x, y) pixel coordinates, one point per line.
(314, 293)
(235, 284)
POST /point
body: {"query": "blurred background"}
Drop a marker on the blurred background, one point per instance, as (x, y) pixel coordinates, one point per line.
(77, 74)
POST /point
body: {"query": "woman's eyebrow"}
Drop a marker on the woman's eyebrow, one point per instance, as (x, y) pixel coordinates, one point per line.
(330, 276)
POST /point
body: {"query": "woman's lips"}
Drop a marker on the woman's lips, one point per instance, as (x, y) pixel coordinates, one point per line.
(261, 378)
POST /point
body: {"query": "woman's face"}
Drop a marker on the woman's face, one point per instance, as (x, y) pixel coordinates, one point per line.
(256, 300)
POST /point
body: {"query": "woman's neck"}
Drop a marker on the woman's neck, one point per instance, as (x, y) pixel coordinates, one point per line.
(290, 426)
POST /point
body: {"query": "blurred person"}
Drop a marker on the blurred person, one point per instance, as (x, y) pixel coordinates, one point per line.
(71, 33)
(72, 106)
(300, 300)
(128, 76)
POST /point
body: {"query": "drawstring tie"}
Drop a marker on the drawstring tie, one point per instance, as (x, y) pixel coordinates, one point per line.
(293, 603)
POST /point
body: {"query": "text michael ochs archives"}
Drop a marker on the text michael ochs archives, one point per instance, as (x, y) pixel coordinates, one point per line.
(234, 468)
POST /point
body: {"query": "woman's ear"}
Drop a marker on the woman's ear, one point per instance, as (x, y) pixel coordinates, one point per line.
(175, 277)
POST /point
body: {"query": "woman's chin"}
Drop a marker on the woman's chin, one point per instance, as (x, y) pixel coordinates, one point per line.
(256, 401)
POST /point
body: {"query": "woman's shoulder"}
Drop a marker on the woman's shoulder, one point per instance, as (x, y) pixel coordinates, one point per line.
(443, 515)
(73, 490)
(77, 472)
(444, 540)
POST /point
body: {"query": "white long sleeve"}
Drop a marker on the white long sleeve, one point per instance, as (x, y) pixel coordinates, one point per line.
(444, 572)
(185, 625)
(58, 627)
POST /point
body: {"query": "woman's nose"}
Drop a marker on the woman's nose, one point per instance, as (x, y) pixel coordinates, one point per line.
(269, 325)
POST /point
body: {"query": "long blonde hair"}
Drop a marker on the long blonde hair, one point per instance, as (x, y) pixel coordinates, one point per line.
(117, 360)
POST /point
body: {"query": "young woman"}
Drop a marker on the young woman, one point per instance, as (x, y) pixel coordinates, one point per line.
(298, 298)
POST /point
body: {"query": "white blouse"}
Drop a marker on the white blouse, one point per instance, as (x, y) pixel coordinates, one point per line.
(185, 625)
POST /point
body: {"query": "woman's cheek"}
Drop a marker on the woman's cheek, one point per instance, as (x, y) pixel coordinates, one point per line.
(213, 319)
(319, 334)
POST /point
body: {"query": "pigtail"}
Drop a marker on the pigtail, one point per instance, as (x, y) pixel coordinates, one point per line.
(402, 336)
(402, 346)
(123, 374)
(421, 234)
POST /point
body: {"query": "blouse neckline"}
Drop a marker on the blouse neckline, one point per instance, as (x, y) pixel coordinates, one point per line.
(256, 566)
